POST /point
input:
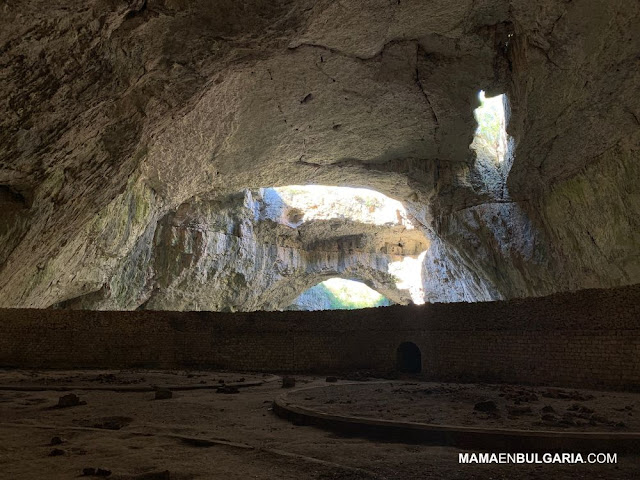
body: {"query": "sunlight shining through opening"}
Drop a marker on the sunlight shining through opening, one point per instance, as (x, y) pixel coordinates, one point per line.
(340, 294)
(318, 202)
(408, 272)
(304, 203)
(490, 139)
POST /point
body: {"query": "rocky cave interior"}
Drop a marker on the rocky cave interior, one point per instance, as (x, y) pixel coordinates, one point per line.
(257, 156)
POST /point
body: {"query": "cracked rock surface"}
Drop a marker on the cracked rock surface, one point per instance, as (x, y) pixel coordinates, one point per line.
(240, 252)
(121, 119)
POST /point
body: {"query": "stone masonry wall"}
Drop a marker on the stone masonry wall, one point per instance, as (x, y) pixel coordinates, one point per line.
(589, 338)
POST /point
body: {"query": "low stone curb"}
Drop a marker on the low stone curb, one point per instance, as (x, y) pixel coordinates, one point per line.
(482, 439)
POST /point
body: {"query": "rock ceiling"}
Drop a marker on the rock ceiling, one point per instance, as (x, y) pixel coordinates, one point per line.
(116, 113)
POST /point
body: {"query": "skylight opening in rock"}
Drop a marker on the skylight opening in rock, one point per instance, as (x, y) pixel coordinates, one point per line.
(490, 139)
(408, 273)
(339, 294)
(319, 202)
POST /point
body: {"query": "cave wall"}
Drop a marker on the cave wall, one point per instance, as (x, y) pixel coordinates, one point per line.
(242, 252)
(566, 218)
(590, 339)
(117, 112)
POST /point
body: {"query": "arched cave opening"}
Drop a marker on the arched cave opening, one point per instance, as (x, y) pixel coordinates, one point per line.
(408, 358)
(339, 294)
(348, 233)
(260, 249)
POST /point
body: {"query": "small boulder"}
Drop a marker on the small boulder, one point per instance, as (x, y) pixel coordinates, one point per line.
(102, 472)
(163, 394)
(598, 418)
(332, 379)
(548, 409)
(56, 441)
(486, 406)
(576, 407)
(56, 452)
(567, 422)
(70, 400)
(89, 471)
(288, 382)
(518, 410)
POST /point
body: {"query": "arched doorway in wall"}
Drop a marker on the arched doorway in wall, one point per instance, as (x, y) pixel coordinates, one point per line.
(408, 358)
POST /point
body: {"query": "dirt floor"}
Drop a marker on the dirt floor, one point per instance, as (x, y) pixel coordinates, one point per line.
(203, 434)
(488, 406)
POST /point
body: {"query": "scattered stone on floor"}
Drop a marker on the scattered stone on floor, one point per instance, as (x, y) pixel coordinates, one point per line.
(518, 395)
(518, 410)
(70, 400)
(163, 394)
(486, 406)
(112, 423)
(106, 378)
(566, 395)
(288, 382)
(228, 389)
(580, 409)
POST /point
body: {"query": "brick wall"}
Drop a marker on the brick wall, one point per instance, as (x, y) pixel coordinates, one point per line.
(589, 338)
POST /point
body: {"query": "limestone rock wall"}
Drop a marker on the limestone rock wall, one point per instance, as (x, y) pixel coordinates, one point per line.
(566, 215)
(116, 113)
(240, 252)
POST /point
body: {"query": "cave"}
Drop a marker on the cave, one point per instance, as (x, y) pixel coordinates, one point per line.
(413, 224)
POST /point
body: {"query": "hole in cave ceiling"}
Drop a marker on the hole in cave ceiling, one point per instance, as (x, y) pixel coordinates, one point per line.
(490, 140)
(319, 202)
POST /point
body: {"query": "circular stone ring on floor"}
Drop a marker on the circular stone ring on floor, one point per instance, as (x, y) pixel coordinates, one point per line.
(505, 440)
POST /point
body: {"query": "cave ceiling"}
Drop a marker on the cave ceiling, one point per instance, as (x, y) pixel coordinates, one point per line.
(115, 113)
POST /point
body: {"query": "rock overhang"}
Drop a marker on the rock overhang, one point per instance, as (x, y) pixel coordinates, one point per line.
(191, 100)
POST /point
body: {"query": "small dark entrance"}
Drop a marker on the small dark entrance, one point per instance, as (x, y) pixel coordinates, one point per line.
(409, 358)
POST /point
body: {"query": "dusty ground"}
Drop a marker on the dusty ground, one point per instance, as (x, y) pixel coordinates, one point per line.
(201, 434)
(124, 378)
(517, 407)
